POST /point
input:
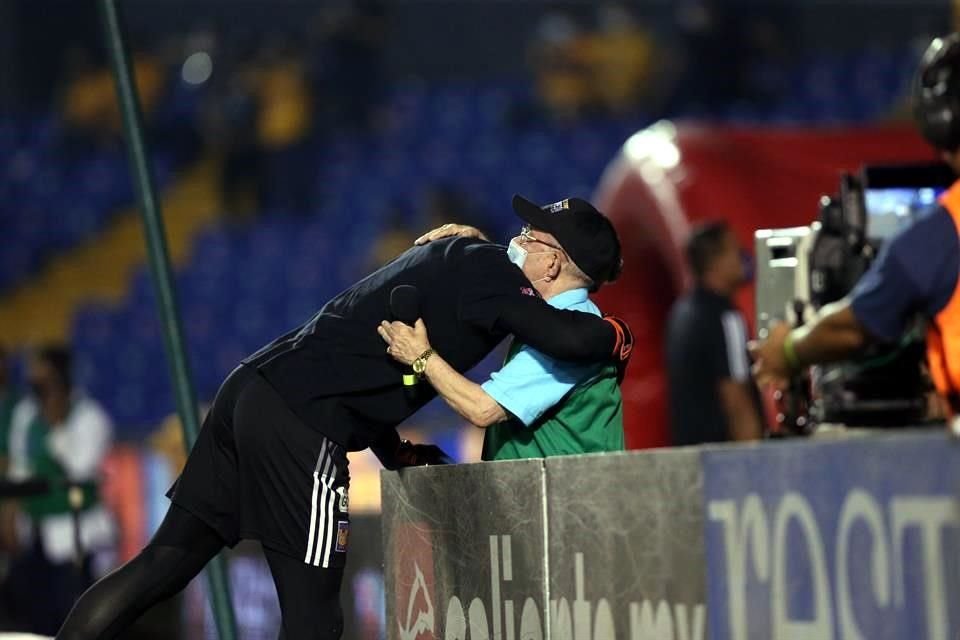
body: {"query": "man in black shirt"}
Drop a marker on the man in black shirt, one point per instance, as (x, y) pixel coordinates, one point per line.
(270, 462)
(712, 395)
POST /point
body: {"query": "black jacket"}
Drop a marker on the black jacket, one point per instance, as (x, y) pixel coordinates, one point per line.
(335, 374)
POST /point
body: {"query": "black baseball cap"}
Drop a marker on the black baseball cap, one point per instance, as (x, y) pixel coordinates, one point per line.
(585, 234)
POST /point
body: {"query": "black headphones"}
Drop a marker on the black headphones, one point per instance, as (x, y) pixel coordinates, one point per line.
(936, 93)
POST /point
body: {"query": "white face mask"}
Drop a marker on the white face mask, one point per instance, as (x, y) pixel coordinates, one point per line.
(518, 256)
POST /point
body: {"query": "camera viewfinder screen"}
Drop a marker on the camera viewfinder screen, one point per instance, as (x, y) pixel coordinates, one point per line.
(889, 210)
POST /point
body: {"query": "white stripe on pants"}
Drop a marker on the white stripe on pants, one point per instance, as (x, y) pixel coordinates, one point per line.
(324, 499)
(328, 499)
(323, 461)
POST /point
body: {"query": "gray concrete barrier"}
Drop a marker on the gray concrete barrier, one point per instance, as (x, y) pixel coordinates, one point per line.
(855, 538)
(625, 543)
(464, 550)
(468, 549)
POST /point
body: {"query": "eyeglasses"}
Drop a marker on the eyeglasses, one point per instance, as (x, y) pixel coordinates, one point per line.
(526, 235)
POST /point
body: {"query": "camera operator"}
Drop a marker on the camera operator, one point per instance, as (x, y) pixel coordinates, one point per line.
(915, 272)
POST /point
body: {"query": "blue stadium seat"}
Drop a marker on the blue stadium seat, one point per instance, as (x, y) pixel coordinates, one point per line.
(71, 197)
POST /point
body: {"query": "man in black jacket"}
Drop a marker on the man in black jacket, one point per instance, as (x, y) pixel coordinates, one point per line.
(270, 462)
(712, 396)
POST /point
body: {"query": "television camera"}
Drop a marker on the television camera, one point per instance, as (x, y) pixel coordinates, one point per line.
(801, 269)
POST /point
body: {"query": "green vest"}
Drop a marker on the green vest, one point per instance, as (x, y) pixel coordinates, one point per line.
(589, 419)
(7, 403)
(44, 465)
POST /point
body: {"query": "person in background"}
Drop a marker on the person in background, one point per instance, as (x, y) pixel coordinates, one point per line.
(231, 123)
(712, 394)
(711, 71)
(8, 400)
(620, 57)
(557, 58)
(536, 406)
(60, 435)
(89, 107)
(284, 126)
(351, 76)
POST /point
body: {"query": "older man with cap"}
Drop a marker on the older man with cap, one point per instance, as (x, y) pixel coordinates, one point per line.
(537, 406)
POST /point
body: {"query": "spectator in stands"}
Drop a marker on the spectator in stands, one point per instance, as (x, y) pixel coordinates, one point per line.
(558, 59)
(352, 39)
(91, 113)
(284, 124)
(231, 118)
(536, 406)
(713, 55)
(62, 436)
(580, 72)
(712, 395)
(619, 57)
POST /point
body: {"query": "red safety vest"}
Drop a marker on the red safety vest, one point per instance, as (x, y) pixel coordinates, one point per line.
(943, 336)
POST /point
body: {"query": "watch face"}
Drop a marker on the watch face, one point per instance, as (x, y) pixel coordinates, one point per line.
(420, 364)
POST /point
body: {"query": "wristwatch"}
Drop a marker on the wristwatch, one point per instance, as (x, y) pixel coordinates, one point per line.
(419, 365)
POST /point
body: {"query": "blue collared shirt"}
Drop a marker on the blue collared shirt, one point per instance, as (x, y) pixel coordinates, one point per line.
(531, 382)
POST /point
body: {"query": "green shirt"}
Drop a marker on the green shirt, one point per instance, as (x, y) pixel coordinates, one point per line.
(589, 419)
(45, 465)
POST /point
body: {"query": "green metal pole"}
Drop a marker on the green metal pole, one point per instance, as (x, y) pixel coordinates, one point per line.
(166, 297)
